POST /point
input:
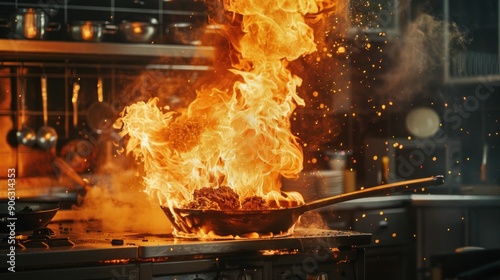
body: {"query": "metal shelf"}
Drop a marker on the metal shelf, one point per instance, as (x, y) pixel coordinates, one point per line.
(27, 50)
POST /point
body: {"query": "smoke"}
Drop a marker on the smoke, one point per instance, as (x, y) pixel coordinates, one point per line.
(418, 57)
(118, 201)
(312, 219)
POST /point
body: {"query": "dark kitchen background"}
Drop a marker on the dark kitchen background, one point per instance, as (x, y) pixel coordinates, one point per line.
(381, 63)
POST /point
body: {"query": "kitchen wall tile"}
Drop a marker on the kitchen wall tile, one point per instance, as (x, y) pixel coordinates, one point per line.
(7, 8)
(8, 161)
(138, 5)
(97, 10)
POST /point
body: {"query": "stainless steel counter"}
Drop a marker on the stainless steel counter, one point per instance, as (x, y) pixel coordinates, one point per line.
(95, 254)
(408, 230)
(421, 200)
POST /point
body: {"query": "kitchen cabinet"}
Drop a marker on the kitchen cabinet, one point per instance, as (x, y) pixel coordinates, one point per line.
(378, 20)
(409, 230)
(476, 57)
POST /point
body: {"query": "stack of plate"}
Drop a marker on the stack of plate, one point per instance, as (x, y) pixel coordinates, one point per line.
(305, 185)
(316, 184)
(329, 183)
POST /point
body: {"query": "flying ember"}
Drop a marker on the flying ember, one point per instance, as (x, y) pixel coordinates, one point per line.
(237, 136)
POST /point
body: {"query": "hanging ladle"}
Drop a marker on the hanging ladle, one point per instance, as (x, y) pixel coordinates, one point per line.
(46, 136)
(74, 101)
(25, 135)
(100, 114)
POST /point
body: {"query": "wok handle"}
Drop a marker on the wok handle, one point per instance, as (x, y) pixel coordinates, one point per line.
(374, 191)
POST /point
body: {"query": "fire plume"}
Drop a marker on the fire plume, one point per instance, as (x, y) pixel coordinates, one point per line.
(238, 136)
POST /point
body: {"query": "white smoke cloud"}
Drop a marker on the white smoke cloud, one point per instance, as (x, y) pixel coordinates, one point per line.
(119, 202)
(418, 57)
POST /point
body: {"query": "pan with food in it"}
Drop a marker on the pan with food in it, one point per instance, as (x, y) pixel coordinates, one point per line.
(25, 216)
(276, 222)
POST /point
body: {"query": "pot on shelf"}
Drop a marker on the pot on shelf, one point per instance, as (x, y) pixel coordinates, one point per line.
(138, 30)
(90, 31)
(187, 33)
(30, 23)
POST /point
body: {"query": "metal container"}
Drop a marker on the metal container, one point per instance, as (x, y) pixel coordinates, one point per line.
(187, 33)
(90, 31)
(30, 23)
(138, 31)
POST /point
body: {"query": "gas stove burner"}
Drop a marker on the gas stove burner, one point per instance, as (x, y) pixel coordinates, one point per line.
(43, 232)
(40, 238)
(6, 246)
(47, 242)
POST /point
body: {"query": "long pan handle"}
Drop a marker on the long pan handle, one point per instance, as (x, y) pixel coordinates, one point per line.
(374, 191)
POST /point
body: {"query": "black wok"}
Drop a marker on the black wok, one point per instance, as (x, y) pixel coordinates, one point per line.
(29, 215)
(274, 221)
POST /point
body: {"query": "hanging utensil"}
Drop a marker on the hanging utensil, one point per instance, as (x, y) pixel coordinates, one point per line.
(25, 135)
(484, 167)
(46, 136)
(74, 101)
(274, 221)
(100, 114)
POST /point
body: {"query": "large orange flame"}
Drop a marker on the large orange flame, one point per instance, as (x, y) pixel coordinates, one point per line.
(239, 137)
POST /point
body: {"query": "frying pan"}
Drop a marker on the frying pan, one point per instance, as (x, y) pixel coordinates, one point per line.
(275, 221)
(29, 215)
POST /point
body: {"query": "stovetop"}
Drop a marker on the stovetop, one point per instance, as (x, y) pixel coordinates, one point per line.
(69, 242)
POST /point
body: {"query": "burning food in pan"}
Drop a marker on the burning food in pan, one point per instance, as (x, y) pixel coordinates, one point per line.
(224, 198)
(214, 223)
